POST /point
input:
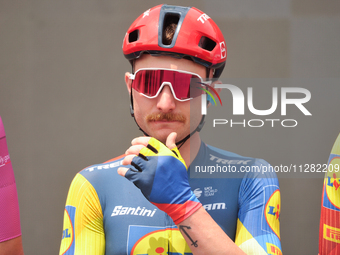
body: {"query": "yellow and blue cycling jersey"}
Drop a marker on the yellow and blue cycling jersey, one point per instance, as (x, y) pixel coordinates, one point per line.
(106, 214)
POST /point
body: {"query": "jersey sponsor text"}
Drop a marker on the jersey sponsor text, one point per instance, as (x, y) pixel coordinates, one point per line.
(331, 234)
(214, 206)
(273, 249)
(120, 210)
(226, 161)
(104, 166)
(204, 17)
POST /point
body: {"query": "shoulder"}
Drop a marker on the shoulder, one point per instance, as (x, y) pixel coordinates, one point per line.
(98, 176)
(253, 171)
(227, 157)
(102, 170)
(257, 167)
(110, 164)
(216, 150)
(246, 167)
(213, 156)
(97, 182)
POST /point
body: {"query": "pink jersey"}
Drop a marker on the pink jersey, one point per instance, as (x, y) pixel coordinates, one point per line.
(9, 207)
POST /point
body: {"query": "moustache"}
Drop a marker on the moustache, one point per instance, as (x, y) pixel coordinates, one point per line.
(165, 117)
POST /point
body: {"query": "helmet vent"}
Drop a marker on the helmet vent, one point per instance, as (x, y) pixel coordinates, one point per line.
(206, 43)
(169, 27)
(133, 36)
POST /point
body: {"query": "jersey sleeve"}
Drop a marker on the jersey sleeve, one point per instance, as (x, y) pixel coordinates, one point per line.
(258, 224)
(83, 231)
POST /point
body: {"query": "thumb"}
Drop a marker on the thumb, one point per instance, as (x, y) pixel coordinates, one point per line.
(170, 140)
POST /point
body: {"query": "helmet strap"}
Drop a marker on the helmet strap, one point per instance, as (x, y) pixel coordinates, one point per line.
(197, 129)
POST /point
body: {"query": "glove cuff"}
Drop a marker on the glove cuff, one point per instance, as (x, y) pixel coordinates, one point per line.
(190, 208)
(180, 212)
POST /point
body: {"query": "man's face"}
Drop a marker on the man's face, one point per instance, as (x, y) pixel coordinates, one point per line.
(162, 115)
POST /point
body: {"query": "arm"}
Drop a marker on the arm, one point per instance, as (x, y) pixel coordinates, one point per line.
(204, 236)
(83, 231)
(258, 225)
(12, 247)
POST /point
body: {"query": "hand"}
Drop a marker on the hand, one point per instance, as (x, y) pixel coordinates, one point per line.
(160, 172)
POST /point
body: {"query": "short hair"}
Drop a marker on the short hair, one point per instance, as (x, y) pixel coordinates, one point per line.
(168, 33)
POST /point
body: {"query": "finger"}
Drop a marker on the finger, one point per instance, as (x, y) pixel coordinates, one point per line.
(141, 140)
(171, 140)
(122, 171)
(134, 150)
(127, 160)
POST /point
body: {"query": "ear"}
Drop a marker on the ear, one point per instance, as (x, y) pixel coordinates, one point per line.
(218, 90)
(211, 74)
(128, 81)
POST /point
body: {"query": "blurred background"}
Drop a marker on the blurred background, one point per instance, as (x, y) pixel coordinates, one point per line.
(64, 103)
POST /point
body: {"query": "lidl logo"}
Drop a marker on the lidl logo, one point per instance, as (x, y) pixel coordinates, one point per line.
(68, 242)
(67, 233)
(273, 249)
(275, 211)
(145, 240)
(331, 234)
(272, 212)
(332, 183)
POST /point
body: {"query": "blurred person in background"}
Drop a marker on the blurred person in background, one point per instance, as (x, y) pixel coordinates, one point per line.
(10, 230)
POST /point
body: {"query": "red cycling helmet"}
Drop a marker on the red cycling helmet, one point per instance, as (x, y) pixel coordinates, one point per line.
(197, 36)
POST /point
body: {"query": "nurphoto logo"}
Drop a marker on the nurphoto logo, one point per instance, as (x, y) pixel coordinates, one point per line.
(238, 105)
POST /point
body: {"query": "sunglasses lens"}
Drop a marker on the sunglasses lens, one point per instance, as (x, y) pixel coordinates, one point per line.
(148, 82)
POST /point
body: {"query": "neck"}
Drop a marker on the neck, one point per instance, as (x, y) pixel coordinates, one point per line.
(190, 148)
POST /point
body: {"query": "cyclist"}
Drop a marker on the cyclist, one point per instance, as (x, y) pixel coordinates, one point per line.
(168, 46)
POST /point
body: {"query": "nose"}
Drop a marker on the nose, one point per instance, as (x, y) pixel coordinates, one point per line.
(165, 100)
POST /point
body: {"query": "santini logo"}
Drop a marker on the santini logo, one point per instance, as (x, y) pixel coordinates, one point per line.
(120, 210)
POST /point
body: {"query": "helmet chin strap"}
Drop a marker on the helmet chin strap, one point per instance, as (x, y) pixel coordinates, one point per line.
(181, 142)
(197, 129)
